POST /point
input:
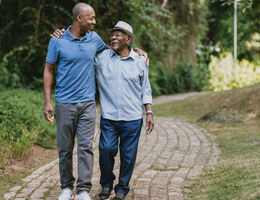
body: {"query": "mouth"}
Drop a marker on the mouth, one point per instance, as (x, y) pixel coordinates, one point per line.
(113, 43)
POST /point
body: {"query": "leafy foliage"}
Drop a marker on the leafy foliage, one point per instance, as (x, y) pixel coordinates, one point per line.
(221, 27)
(22, 123)
(244, 4)
(24, 54)
(25, 57)
(184, 78)
(24, 47)
(224, 76)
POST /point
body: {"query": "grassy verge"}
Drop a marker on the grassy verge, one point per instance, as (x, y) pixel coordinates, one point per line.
(22, 124)
(234, 118)
(7, 182)
(23, 133)
(27, 166)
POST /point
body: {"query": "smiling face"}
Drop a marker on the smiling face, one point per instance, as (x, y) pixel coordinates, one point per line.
(119, 40)
(87, 20)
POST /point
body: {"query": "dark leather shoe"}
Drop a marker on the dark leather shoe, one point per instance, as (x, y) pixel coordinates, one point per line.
(104, 194)
(119, 196)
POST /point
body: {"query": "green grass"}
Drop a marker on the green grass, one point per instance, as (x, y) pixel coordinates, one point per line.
(237, 173)
(22, 124)
(50, 189)
(8, 182)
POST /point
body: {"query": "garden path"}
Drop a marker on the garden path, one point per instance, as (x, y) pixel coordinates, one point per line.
(173, 155)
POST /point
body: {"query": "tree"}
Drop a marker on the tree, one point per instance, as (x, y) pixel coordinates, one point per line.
(27, 24)
(248, 25)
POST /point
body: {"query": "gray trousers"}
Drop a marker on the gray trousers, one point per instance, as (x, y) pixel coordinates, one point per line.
(75, 119)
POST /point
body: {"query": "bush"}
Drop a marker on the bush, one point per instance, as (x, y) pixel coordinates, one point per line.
(154, 76)
(223, 77)
(22, 123)
(222, 115)
(182, 79)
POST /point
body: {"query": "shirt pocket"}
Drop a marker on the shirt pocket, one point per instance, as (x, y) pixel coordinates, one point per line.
(135, 83)
(135, 79)
(133, 75)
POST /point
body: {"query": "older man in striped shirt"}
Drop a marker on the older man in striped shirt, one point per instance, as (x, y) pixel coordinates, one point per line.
(124, 88)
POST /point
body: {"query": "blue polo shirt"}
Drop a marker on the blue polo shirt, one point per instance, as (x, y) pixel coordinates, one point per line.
(75, 80)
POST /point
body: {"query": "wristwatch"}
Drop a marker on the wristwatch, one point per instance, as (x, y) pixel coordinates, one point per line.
(149, 111)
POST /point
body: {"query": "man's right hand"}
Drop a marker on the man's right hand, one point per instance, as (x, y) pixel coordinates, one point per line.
(48, 112)
(58, 33)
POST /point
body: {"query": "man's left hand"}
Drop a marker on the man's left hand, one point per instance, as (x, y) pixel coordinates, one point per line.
(149, 123)
(58, 33)
(142, 53)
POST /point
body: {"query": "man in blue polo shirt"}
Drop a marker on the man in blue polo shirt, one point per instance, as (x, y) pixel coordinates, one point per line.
(75, 109)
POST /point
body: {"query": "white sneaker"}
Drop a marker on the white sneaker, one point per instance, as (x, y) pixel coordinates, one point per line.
(65, 194)
(82, 196)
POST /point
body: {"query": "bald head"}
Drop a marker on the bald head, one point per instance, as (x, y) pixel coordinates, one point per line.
(80, 9)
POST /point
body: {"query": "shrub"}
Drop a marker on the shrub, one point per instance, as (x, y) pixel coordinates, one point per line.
(223, 76)
(154, 76)
(182, 79)
(222, 115)
(22, 123)
(186, 75)
(202, 75)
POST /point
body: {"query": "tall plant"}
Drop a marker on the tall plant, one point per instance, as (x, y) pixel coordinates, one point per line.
(221, 27)
(24, 39)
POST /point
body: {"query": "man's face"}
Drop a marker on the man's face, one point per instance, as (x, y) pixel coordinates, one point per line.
(87, 21)
(119, 40)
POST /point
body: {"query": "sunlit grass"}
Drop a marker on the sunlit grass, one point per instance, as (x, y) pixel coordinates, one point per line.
(237, 173)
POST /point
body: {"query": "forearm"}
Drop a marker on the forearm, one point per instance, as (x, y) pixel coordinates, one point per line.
(47, 82)
(149, 118)
(148, 107)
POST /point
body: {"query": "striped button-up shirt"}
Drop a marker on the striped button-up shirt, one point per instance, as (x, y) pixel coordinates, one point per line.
(123, 85)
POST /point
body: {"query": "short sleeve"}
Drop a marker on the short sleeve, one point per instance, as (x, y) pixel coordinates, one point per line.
(101, 44)
(96, 61)
(52, 54)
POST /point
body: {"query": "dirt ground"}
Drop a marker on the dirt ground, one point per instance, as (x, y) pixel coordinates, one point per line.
(33, 159)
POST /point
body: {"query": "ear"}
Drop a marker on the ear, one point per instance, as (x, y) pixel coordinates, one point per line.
(129, 40)
(79, 18)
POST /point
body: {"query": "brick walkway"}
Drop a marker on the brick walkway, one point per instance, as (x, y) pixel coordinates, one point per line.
(172, 155)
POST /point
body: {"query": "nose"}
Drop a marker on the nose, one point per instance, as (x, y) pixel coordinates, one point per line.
(94, 21)
(112, 37)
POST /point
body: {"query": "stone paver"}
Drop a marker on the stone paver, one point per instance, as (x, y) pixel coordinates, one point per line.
(173, 153)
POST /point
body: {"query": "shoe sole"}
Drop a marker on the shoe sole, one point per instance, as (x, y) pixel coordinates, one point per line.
(109, 198)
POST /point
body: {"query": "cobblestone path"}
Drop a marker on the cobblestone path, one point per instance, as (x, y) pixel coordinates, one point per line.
(173, 153)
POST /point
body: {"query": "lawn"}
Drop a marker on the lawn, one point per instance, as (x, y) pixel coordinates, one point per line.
(234, 118)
